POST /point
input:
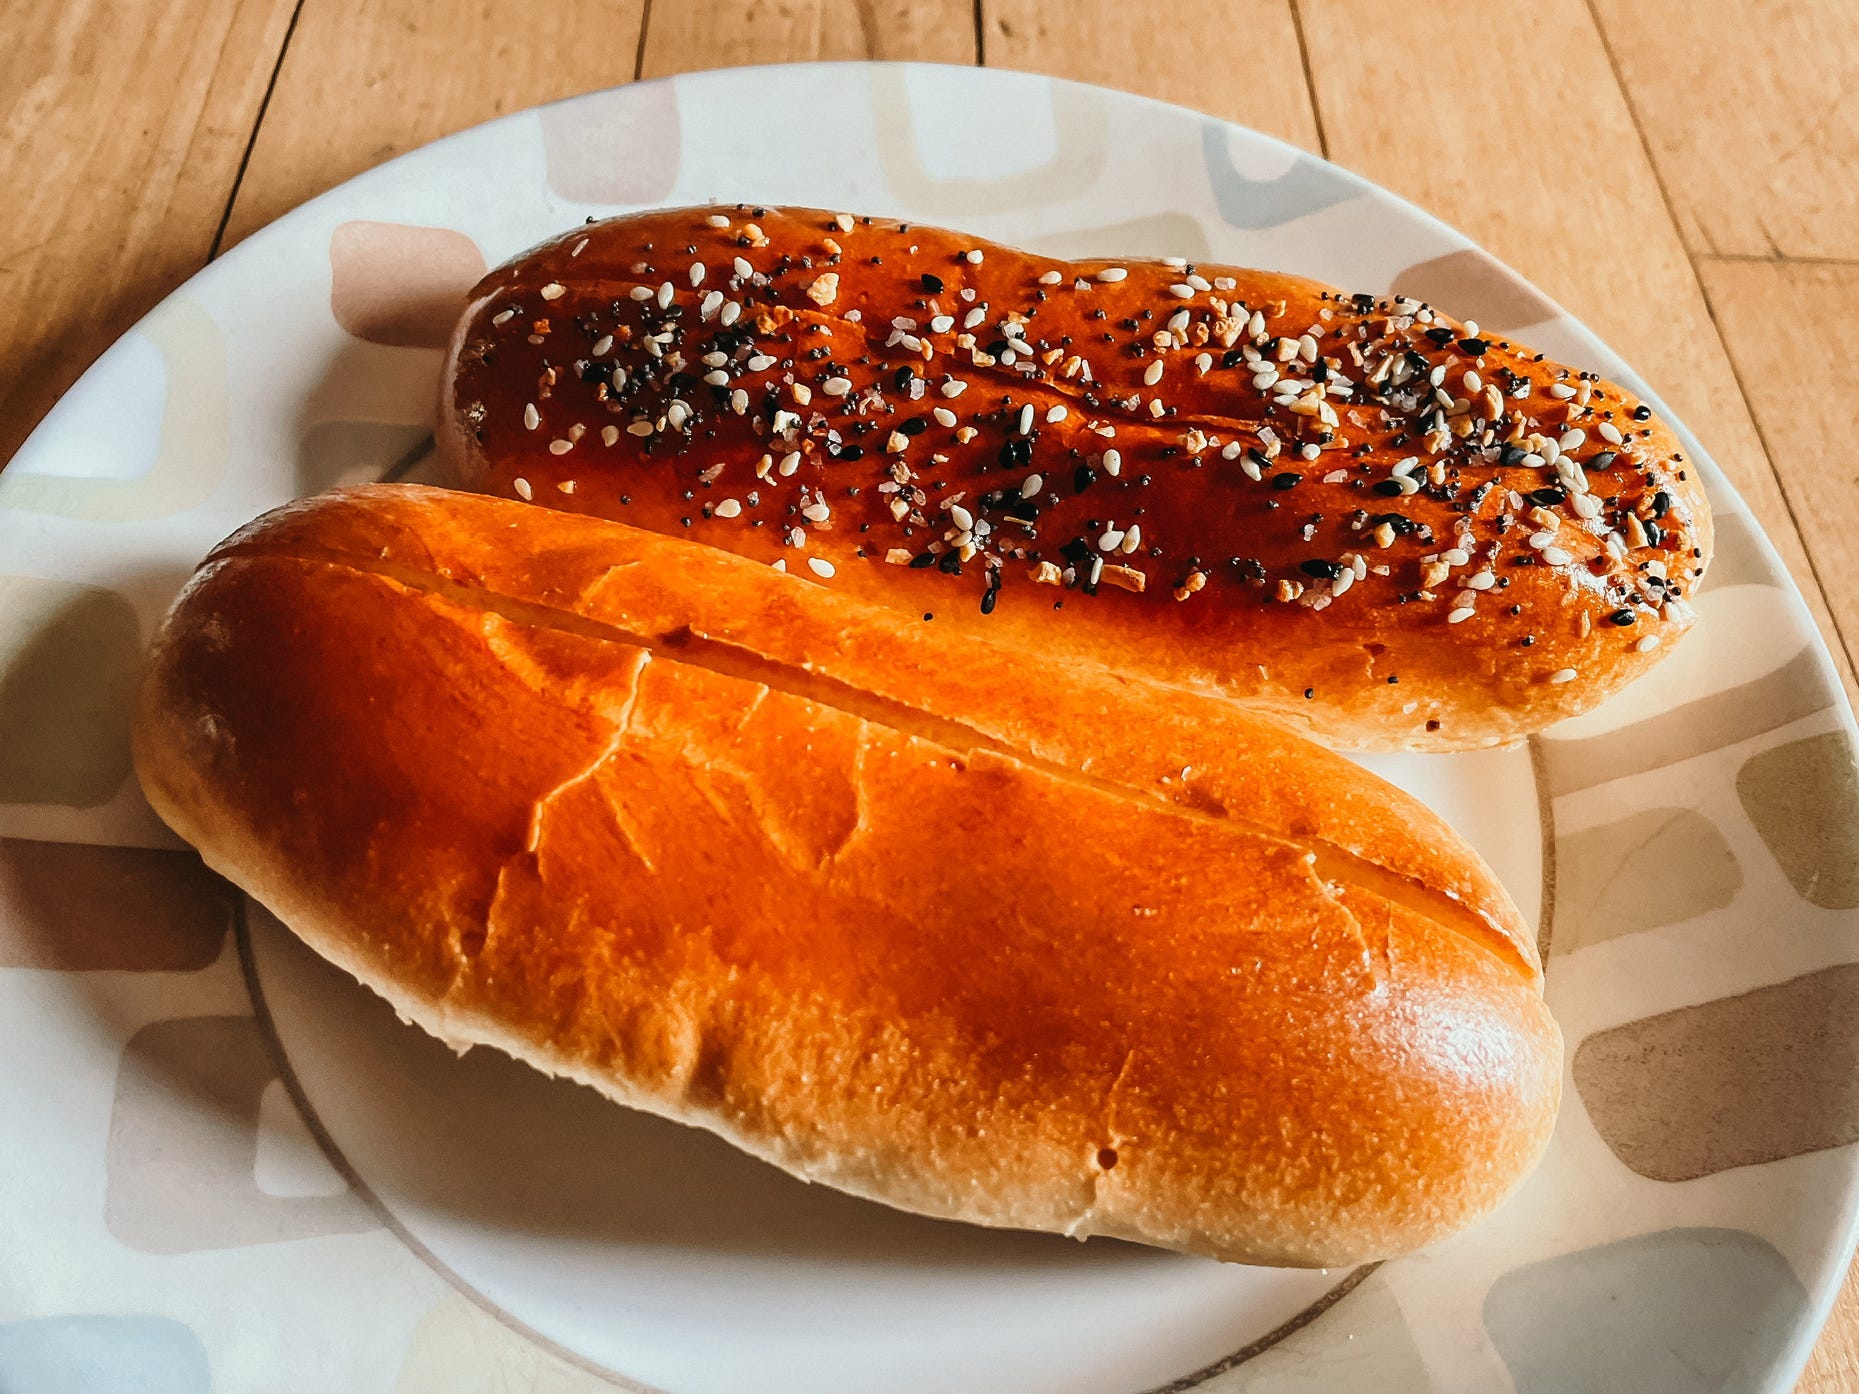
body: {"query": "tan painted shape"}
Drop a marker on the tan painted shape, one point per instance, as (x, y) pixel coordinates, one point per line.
(183, 1138)
(392, 283)
(1735, 1082)
(68, 661)
(365, 80)
(1659, 867)
(1751, 110)
(121, 132)
(1803, 798)
(1469, 284)
(1260, 83)
(192, 456)
(1079, 121)
(76, 907)
(620, 146)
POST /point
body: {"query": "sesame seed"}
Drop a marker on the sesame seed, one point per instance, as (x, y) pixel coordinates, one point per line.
(1456, 556)
(1183, 292)
(717, 377)
(1562, 675)
(1202, 362)
(602, 346)
(1026, 419)
(729, 508)
(503, 316)
(1031, 485)
(1571, 439)
(944, 417)
(1459, 616)
(1113, 463)
(730, 313)
(942, 324)
(973, 257)
(739, 401)
(665, 292)
(779, 563)
(609, 435)
(554, 290)
(677, 414)
(961, 517)
(560, 447)
(1111, 540)
(1562, 391)
(1647, 645)
(1153, 373)
(761, 363)
(836, 387)
(697, 274)
(816, 512)
(1051, 278)
(531, 417)
(789, 462)
(974, 317)
(641, 292)
(566, 486)
(742, 268)
(954, 387)
(640, 428)
(523, 491)
(1557, 556)
(1112, 274)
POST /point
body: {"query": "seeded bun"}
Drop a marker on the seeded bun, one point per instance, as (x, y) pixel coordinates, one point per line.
(896, 908)
(1351, 511)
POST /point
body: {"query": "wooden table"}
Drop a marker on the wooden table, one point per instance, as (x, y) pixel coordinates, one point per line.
(1679, 174)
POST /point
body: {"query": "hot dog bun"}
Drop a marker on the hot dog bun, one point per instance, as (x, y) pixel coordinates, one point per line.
(906, 913)
(1476, 543)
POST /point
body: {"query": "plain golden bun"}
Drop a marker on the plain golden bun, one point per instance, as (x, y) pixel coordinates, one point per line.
(897, 909)
(1351, 511)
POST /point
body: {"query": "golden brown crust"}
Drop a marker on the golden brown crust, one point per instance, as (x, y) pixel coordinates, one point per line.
(978, 958)
(1499, 582)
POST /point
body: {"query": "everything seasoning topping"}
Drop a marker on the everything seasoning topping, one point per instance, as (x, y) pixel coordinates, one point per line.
(923, 404)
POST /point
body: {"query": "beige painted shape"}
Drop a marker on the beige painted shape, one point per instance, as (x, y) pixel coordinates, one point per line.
(1079, 121)
(1790, 692)
(621, 146)
(393, 283)
(1751, 111)
(1803, 798)
(459, 1349)
(375, 383)
(1735, 1082)
(76, 907)
(68, 662)
(1470, 284)
(1157, 234)
(194, 434)
(183, 1141)
(1660, 867)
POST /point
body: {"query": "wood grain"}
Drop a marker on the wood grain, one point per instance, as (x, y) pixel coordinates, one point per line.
(1751, 111)
(1803, 401)
(1116, 44)
(1604, 247)
(683, 37)
(115, 181)
(365, 80)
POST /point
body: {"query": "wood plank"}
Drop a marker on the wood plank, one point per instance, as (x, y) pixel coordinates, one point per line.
(1833, 1368)
(1751, 110)
(1604, 247)
(683, 37)
(120, 141)
(1116, 44)
(1803, 401)
(365, 80)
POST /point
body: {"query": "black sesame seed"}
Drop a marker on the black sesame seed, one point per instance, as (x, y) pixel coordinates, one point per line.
(1623, 618)
(1475, 347)
(1661, 504)
(932, 284)
(1388, 488)
(915, 426)
(1642, 412)
(1440, 335)
(1287, 480)
(1322, 570)
(950, 563)
(921, 560)
(1082, 478)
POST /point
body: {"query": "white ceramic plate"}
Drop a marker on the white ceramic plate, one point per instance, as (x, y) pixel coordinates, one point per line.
(229, 1167)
